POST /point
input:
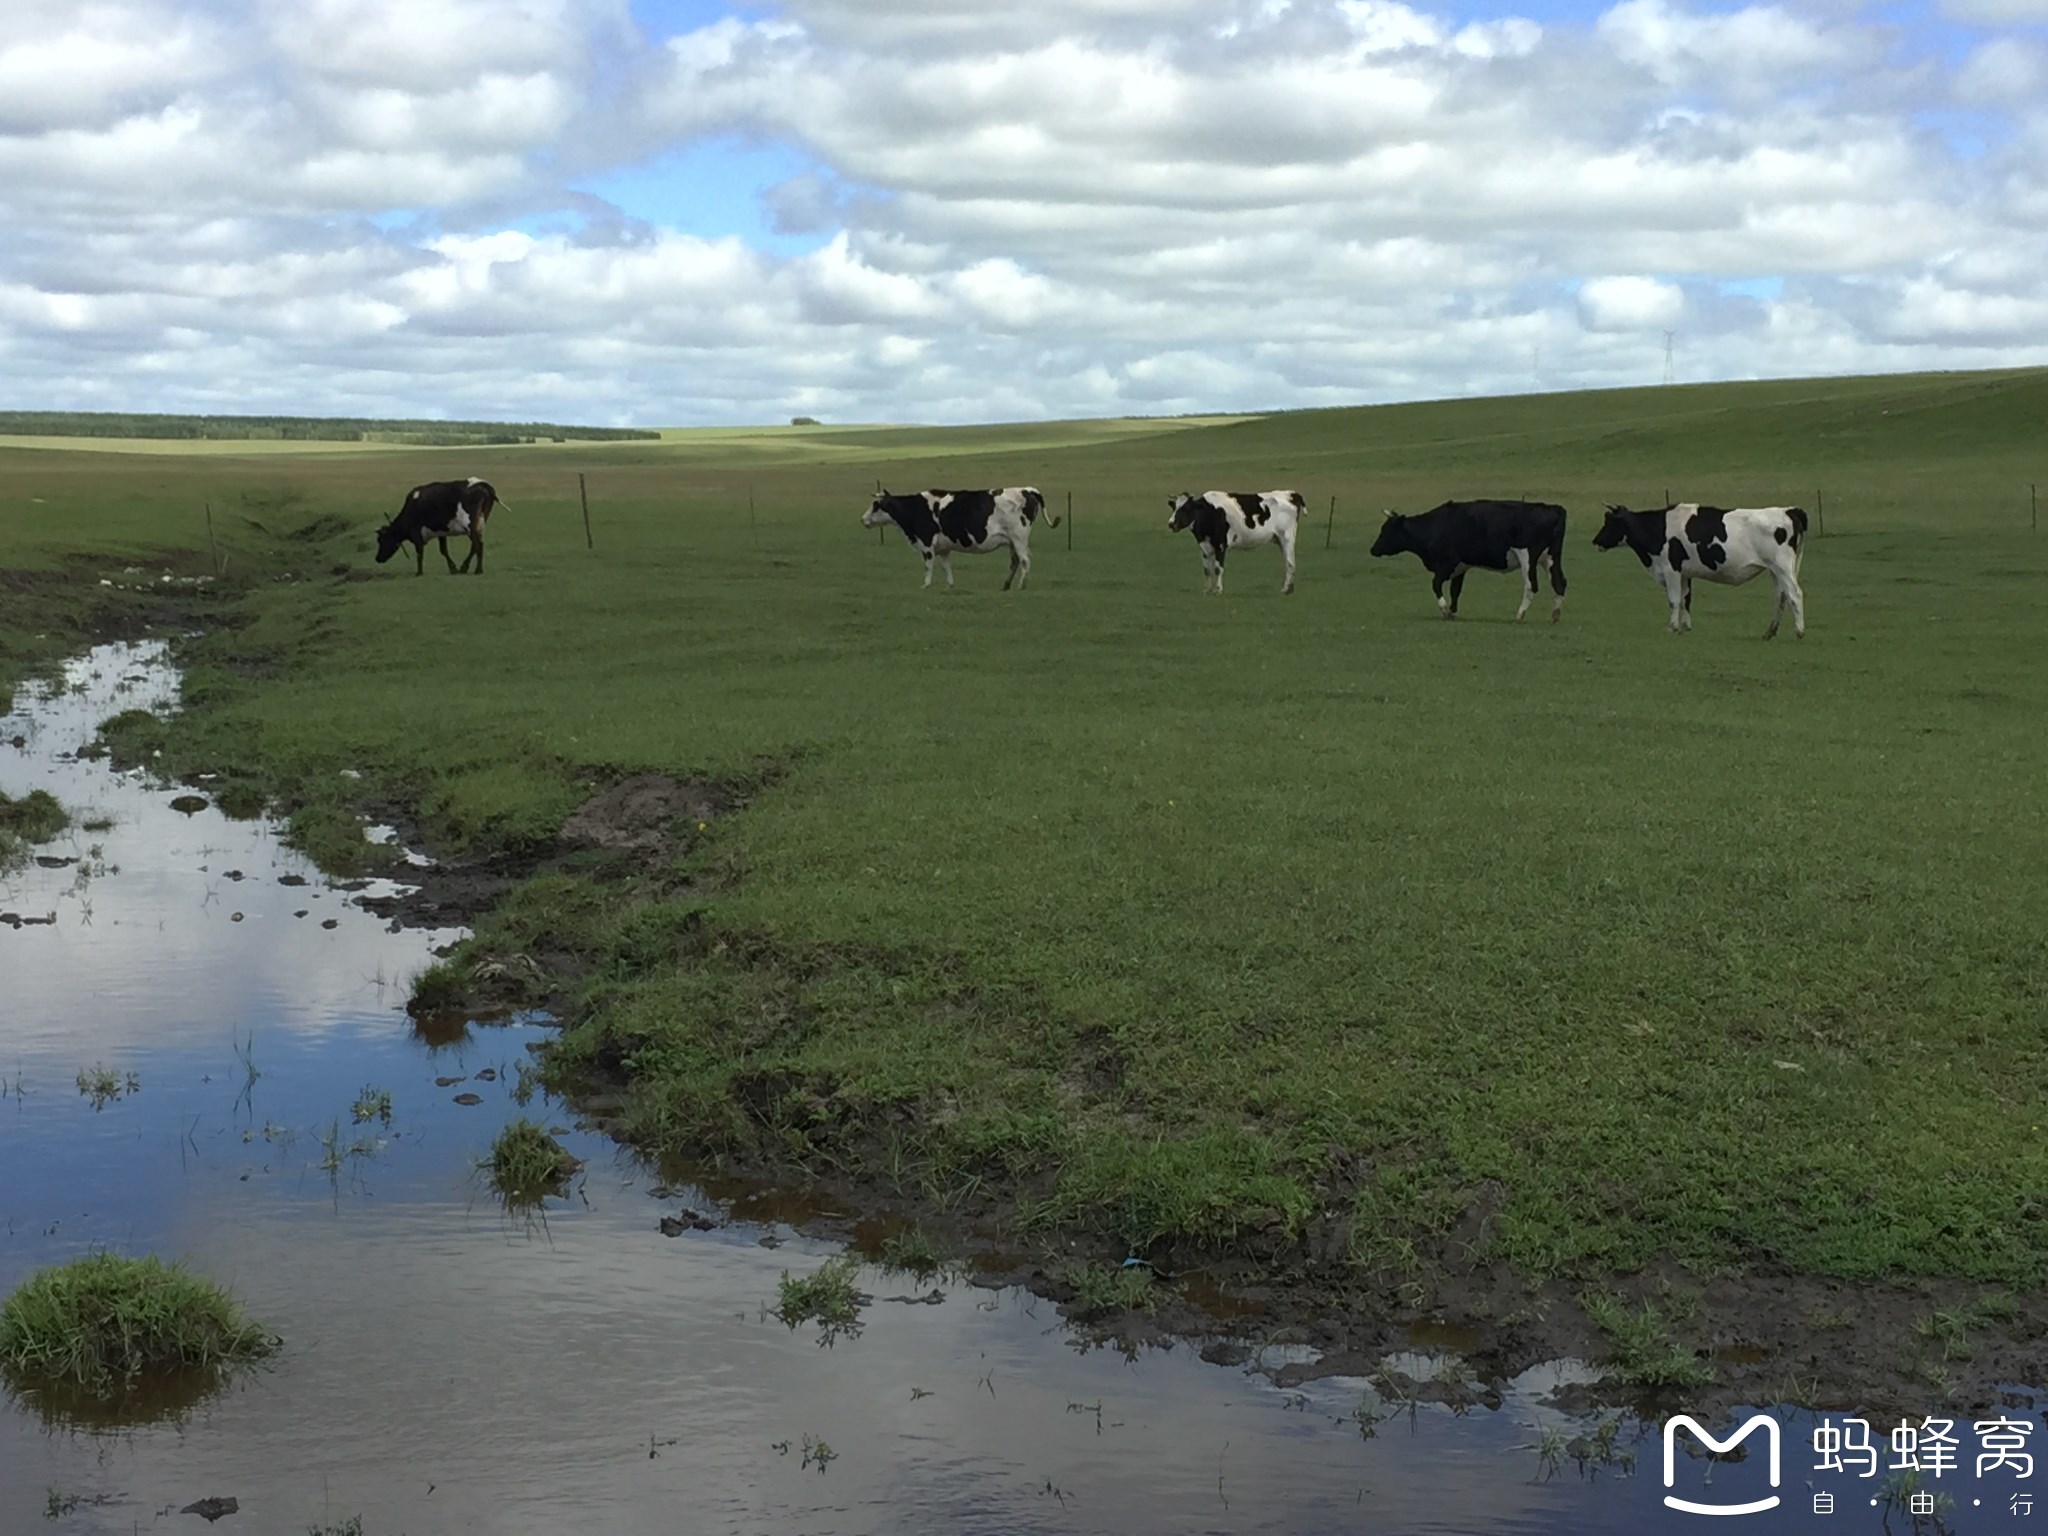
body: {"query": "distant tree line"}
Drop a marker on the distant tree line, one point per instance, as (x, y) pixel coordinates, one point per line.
(309, 429)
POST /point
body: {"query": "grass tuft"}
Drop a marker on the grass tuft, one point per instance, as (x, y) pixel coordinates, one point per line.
(827, 1297)
(103, 1321)
(1101, 1290)
(1645, 1352)
(527, 1164)
(912, 1252)
(35, 818)
(103, 1085)
(372, 1103)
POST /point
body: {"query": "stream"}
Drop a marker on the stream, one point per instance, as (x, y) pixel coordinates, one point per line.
(448, 1366)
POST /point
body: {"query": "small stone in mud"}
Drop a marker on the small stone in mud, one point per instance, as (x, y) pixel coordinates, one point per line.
(300, 913)
(488, 1075)
(51, 861)
(211, 1510)
(768, 1240)
(236, 918)
(469, 1098)
(234, 874)
(189, 805)
(332, 922)
(291, 880)
(448, 1082)
(670, 1227)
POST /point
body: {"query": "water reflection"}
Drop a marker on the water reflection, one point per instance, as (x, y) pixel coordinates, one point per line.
(450, 1366)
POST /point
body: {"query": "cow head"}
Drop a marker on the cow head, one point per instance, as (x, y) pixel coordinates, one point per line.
(1181, 512)
(877, 513)
(1393, 539)
(1614, 529)
(388, 540)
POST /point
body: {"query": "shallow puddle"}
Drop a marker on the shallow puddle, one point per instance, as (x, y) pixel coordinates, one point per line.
(450, 1368)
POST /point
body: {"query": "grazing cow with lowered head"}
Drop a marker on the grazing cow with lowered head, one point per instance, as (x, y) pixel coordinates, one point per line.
(1225, 520)
(970, 522)
(1729, 545)
(445, 508)
(1462, 536)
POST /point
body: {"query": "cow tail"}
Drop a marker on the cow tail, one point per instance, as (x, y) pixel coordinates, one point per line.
(1798, 516)
(1034, 505)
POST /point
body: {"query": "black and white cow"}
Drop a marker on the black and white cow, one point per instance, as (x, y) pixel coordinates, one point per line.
(1461, 536)
(1688, 542)
(440, 510)
(1225, 520)
(969, 522)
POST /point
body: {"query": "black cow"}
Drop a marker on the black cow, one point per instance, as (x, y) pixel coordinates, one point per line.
(436, 511)
(972, 522)
(1461, 536)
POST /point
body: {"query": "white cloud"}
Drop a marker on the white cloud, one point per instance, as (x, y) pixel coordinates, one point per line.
(1630, 304)
(1089, 206)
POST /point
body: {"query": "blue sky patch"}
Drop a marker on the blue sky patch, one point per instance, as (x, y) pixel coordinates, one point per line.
(711, 189)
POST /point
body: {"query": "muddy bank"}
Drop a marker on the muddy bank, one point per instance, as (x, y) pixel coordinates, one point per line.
(1671, 1340)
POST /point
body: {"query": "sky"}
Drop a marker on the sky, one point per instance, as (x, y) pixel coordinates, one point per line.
(710, 212)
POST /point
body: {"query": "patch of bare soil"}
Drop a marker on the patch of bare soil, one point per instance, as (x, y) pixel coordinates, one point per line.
(629, 830)
(637, 815)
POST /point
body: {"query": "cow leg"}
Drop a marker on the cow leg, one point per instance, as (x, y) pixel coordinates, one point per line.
(1208, 567)
(1221, 551)
(1436, 585)
(419, 553)
(927, 565)
(1556, 586)
(476, 553)
(1013, 569)
(1457, 587)
(1686, 583)
(1287, 552)
(442, 540)
(1788, 592)
(1023, 559)
(1674, 590)
(1525, 561)
(947, 561)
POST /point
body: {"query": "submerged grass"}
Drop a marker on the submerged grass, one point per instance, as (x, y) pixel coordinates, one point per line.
(101, 1322)
(1567, 948)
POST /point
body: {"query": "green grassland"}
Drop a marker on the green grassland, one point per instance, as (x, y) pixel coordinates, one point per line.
(1170, 918)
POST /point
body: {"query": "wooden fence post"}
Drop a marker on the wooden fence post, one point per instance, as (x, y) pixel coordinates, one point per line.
(1330, 527)
(583, 491)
